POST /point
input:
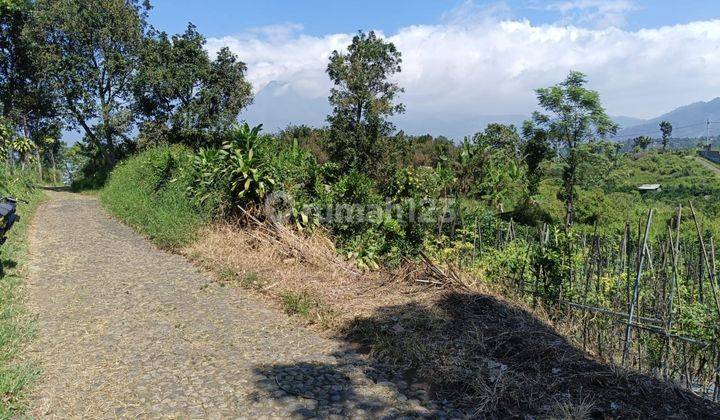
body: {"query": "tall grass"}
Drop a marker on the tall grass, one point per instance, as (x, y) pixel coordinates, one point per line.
(16, 326)
(148, 191)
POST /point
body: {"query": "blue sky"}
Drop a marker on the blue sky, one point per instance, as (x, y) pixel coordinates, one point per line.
(216, 18)
(466, 62)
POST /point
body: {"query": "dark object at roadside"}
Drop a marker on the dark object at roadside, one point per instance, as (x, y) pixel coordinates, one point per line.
(8, 216)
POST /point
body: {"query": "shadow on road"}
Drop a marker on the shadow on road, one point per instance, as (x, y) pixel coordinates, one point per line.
(55, 187)
(480, 354)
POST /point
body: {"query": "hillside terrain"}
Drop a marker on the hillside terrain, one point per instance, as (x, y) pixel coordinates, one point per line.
(234, 241)
(688, 121)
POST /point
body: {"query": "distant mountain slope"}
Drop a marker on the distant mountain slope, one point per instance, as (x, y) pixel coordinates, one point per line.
(625, 122)
(687, 121)
(280, 104)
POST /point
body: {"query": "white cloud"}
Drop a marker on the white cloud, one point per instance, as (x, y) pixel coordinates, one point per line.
(600, 13)
(468, 69)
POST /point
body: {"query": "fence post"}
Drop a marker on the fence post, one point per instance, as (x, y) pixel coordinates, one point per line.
(633, 302)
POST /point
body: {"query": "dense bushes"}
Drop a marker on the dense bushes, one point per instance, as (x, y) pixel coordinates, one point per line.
(149, 192)
(169, 191)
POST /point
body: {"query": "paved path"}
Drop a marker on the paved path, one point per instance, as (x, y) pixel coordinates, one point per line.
(125, 329)
(710, 165)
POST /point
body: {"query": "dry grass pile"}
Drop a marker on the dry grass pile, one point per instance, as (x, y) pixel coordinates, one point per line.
(436, 326)
(279, 262)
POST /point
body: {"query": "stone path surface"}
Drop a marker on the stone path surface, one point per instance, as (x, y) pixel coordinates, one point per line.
(706, 163)
(127, 330)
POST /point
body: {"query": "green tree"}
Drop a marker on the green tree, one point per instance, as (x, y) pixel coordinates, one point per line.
(91, 51)
(26, 101)
(642, 142)
(666, 128)
(182, 95)
(362, 100)
(536, 149)
(574, 115)
(488, 165)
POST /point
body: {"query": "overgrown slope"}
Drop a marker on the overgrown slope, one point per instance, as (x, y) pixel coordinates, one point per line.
(464, 344)
(148, 192)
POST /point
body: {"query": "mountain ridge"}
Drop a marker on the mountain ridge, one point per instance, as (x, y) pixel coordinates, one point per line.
(279, 104)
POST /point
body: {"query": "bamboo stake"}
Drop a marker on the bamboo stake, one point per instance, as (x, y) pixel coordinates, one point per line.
(711, 273)
(674, 249)
(631, 310)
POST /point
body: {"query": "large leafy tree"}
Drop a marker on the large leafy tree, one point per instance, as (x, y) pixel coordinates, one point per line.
(666, 128)
(573, 115)
(182, 95)
(26, 101)
(91, 52)
(363, 99)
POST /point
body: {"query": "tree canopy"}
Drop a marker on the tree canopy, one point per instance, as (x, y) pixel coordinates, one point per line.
(91, 51)
(573, 115)
(362, 99)
(182, 95)
(666, 128)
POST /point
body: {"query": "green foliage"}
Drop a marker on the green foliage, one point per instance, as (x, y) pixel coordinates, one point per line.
(148, 191)
(233, 175)
(666, 128)
(16, 376)
(536, 150)
(642, 142)
(362, 100)
(27, 103)
(574, 116)
(90, 52)
(183, 96)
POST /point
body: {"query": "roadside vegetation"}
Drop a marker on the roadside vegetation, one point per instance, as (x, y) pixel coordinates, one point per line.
(149, 192)
(400, 243)
(16, 325)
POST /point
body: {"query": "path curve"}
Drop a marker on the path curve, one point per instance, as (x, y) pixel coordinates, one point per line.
(125, 329)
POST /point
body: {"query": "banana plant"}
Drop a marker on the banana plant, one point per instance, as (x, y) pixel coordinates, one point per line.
(23, 146)
(209, 168)
(233, 169)
(248, 179)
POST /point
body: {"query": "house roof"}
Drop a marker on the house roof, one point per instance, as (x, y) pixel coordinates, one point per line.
(649, 187)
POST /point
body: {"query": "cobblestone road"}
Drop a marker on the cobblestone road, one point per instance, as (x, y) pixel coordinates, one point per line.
(127, 330)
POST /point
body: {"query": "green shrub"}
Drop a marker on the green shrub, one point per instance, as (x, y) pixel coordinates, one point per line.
(234, 175)
(149, 192)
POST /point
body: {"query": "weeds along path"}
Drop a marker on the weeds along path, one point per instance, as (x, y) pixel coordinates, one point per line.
(125, 329)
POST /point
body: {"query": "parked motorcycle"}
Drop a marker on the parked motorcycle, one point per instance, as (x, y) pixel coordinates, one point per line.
(8, 216)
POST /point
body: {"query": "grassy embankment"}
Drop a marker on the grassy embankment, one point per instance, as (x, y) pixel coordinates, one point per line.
(148, 192)
(451, 337)
(16, 325)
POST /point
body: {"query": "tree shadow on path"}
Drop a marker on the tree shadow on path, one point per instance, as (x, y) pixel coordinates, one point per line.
(470, 355)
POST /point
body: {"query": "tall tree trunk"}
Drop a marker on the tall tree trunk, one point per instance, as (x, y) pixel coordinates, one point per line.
(39, 163)
(569, 175)
(52, 159)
